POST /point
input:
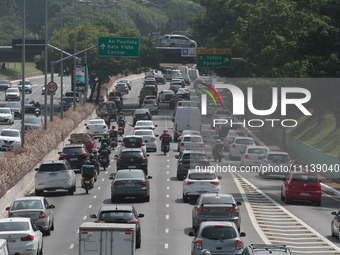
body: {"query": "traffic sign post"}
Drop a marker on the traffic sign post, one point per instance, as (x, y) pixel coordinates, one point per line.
(118, 47)
(52, 87)
(188, 52)
(213, 58)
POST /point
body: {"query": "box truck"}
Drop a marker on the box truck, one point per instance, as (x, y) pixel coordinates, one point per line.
(107, 239)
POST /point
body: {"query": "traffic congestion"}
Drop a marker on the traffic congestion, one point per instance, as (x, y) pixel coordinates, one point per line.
(151, 160)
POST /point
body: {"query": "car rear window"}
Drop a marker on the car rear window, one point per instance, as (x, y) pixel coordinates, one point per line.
(149, 101)
(2, 110)
(144, 123)
(14, 226)
(73, 150)
(132, 141)
(26, 204)
(278, 157)
(202, 176)
(218, 232)
(194, 156)
(192, 139)
(129, 175)
(52, 167)
(116, 216)
(244, 141)
(131, 154)
(95, 122)
(11, 133)
(257, 151)
(217, 200)
(305, 178)
(144, 132)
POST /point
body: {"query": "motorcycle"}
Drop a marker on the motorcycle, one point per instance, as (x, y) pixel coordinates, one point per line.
(37, 112)
(88, 178)
(121, 131)
(113, 142)
(104, 161)
(165, 148)
(217, 153)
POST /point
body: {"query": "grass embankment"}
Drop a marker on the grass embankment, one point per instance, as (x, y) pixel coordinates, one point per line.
(13, 71)
(322, 136)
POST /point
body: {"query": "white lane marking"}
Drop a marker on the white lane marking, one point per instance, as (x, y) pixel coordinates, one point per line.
(167, 187)
(167, 216)
(168, 179)
(167, 172)
(71, 246)
(106, 172)
(95, 196)
(78, 231)
(103, 179)
(167, 195)
(84, 218)
(168, 160)
(99, 187)
(166, 230)
(168, 166)
(166, 246)
(167, 205)
(90, 206)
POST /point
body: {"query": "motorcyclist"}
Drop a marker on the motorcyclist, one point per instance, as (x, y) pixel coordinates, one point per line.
(215, 139)
(104, 150)
(121, 121)
(113, 132)
(37, 105)
(217, 147)
(88, 163)
(121, 116)
(104, 139)
(166, 138)
(107, 119)
(94, 159)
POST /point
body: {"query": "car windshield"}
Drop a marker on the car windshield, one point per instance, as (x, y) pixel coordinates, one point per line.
(202, 176)
(27, 101)
(26, 83)
(33, 121)
(12, 90)
(130, 175)
(218, 232)
(3, 110)
(305, 178)
(192, 139)
(73, 150)
(116, 216)
(144, 132)
(12, 133)
(96, 122)
(13, 105)
(52, 167)
(26, 204)
(149, 102)
(140, 111)
(195, 156)
(4, 82)
(244, 141)
(257, 151)
(14, 226)
(131, 155)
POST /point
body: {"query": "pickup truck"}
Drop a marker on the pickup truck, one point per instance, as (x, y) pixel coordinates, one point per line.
(83, 138)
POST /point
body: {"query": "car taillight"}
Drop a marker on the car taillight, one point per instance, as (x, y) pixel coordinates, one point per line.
(155, 104)
(117, 183)
(246, 156)
(289, 161)
(142, 105)
(318, 186)
(202, 209)
(42, 215)
(268, 160)
(120, 160)
(227, 139)
(234, 209)
(233, 146)
(198, 244)
(10, 215)
(27, 238)
(134, 221)
(155, 90)
(220, 128)
(239, 245)
(188, 183)
(123, 144)
(215, 183)
(134, 116)
(87, 128)
(142, 182)
(202, 144)
(84, 154)
(144, 159)
(104, 126)
(218, 226)
(63, 155)
(142, 144)
(182, 144)
(153, 139)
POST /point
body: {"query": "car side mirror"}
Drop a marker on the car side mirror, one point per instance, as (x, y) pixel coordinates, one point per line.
(242, 234)
(157, 135)
(59, 152)
(37, 169)
(115, 156)
(93, 216)
(156, 125)
(192, 234)
(7, 208)
(219, 177)
(148, 155)
(238, 203)
(333, 213)
(149, 177)
(177, 156)
(111, 177)
(141, 215)
(51, 207)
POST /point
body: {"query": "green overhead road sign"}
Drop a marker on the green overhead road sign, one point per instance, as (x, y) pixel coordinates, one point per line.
(118, 47)
(213, 58)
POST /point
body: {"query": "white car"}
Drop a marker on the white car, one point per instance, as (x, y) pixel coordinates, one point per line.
(122, 88)
(145, 124)
(149, 138)
(96, 127)
(198, 182)
(127, 82)
(239, 145)
(276, 163)
(6, 115)
(22, 235)
(28, 86)
(254, 155)
(9, 139)
(191, 142)
(53, 175)
(133, 141)
(229, 139)
(12, 94)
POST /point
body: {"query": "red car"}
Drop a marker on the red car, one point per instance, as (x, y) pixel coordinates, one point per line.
(301, 186)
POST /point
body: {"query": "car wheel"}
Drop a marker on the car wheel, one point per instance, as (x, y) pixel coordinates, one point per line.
(138, 245)
(41, 250)
(318, 203)
(332, 231)
(185, 199)
(52, 226)
(39, 192)
(71, 191)
(6, 99)
(114, 199)
(47, 232)
(147, 198)
(282, 197)
(287, 201)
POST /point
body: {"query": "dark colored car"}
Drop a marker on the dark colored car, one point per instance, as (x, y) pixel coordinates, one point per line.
(32, 123)
(175, 87)
(117, 101)
(132, 158)
(67, 103)
(165, 96)
(185, 94)
(266, 249)
(174, 100)
(141, 114)
(130, 183)
(160, 79)
(5, 84)
(29, 106)
(70, 94)
(147, 90)
(116, 94)
(216, 207)
(16, 108)
(123, 214)
(189, 159)
(75, 154)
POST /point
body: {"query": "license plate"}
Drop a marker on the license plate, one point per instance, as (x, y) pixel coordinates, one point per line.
(11, 240)
(73, 159)
(87, 182)
(131, 166)
(130, 184)
(304, 194)
(52, 173)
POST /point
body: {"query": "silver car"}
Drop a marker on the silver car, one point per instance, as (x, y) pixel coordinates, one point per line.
(6, 115)
(238, 147)
(36, 208)
(276, 163)
(149, 138)
(254, 155)
(218, 237)
(177, 41)
(191, 142)
(150, 104)
(229, 139)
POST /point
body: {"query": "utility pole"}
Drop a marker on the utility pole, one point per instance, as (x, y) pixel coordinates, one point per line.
(23, 76)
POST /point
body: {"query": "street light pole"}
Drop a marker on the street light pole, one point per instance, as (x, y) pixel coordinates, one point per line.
(46, 41)
(23, 77)
(75, 51)
(61, 63)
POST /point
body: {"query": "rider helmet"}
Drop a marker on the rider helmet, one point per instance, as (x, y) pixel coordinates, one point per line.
(87, 162)
(165, 131)
(113, 127)
(104, 145)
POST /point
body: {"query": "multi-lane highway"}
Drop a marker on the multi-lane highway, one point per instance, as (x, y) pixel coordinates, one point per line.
(304, 227)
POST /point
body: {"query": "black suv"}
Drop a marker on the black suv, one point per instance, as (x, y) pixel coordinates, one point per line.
(141, 114)
(75, 154)
(264, 249)
(132, 158)
(189, 159)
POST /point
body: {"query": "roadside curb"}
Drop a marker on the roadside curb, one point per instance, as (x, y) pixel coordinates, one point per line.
(330, 189)
(26, 185)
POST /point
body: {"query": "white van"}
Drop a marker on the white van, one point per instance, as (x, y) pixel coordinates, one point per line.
(3, 247)
(193, 74)
(186, 118)
(183, 69)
